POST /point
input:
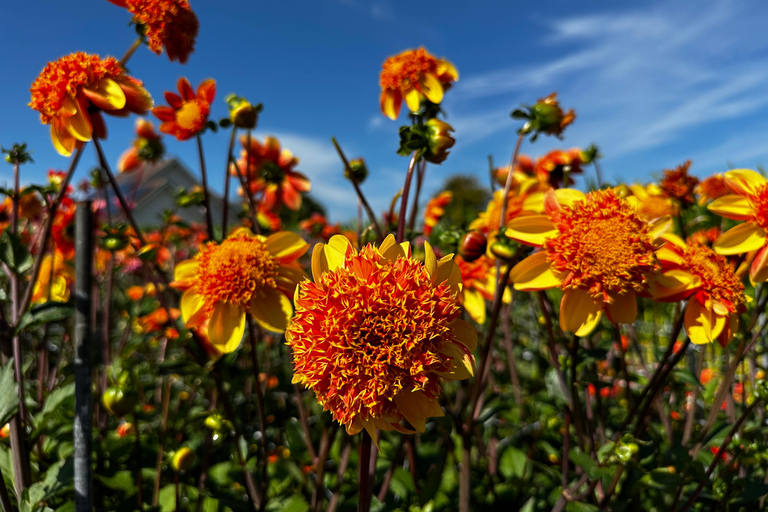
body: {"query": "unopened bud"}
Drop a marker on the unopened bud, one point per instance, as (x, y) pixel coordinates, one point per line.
(472, 245)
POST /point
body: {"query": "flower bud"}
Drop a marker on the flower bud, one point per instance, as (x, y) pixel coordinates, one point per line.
(502, 251)
(439, 140)
(183, 459)
(242, 113)
(357, 171)
(119, 401)
(472, 245)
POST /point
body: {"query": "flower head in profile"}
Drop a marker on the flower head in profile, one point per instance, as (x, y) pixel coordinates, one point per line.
(169, 24)
(270, 170)
(376, 330)
(71, 93)
(414, 75)
(244, 273)
(715, 295)
(711, 188)
(557, 167)
(595, 248)
(678, 184)
(147, 147)
(188, 111)
(478, 280)
(435, 210)
(546, 117)
(748, 201)
(54, 279)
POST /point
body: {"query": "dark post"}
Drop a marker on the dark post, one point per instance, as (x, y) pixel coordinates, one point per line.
(83, 407)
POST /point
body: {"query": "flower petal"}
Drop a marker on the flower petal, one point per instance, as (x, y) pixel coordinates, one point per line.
(535, 273)
(286, 246)
(185, 89)
(739, 239)
(431, 87)
(166, 114)
(461, 360)
(531, 229)
(430, 261)
(579, 312)
(623, 309)
(192, 310)
(758, 271)
(733, 207)
(464, 333)
(702, 324)
(474, 303)
(271, 309)
(79, 125)
(673, 285)
(744, 182)
(417, 407)
(226, 326)
(207, 90)
(62, 140)
(105, 94)
(413, 99)
(391, 101)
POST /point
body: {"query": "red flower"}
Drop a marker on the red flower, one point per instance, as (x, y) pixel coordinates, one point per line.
(188, 112)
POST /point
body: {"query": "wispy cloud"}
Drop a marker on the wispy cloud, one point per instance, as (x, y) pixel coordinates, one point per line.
(638, 80)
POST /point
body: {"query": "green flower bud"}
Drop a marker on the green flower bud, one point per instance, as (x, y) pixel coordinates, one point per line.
(242, 113)
(119, 401)
(357, 171)
(183, 459)
(439, 140)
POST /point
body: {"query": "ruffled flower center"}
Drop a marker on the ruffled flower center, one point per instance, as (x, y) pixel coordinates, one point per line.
(603, 244)
(717, 277)
(406, 68)
(234, 270)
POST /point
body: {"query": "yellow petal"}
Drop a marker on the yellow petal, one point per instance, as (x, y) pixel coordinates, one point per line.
(62, 140)
(733, 207)
(464, 333)
(579, 312)
(431, 87)
(531, 229)
(388, 242)
(271, 309)
(342, 244)
(319, 262)
(462, 362)
(186, 270)
(446, 68)
(106, 94)
(669, 255)
(474, 303)
(701, 324)
(78, 125)
(535, 273)
(758, 270)
(659, 226)
(448, 272)
(430, 261)
(672, 285)
(744, 182)
(568, 196)
(417, 407)
(192, 308)
(413, 99)
(739, 239)
(391, 100)
(673, 239)
(623, 309)
(286, 246)
(226, 326)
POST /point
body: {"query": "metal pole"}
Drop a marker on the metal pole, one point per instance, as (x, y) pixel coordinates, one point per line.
(83, 342)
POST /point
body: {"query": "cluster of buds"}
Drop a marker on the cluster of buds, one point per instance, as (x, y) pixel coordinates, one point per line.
(431, 140)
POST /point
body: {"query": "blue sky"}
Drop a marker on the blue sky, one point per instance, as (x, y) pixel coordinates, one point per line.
(653, 83)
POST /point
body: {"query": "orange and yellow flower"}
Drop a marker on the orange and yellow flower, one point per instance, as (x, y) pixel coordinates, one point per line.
(652, 202)
(749, 202)
(54, 280)
(478, 280)
(376, 330)
(678, 184)
(595, 248)
(715, 295)
(169, 24)
(711, 188)
(244, 273)
(188, 112)
(555, 167)
(413, 75)
(270, 171)
(147, 147)
(435, 210)
(71, 93)
(317, 226)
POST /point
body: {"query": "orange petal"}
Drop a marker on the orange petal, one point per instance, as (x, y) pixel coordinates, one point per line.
(739, 239)
(207, 90)
(733, 207)
(758, 271)
(226, 326)
(531, 229)
(164, 113)
(271, 309)
(174, 100)
(623, 309)
(579, 312)
(391, 100)
(535, 273)
(185, 89)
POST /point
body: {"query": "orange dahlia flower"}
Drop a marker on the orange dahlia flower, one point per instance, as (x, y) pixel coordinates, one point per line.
(435, 210)
(413, 75)
(652, 202)
(147, 147)
(552, 168)
(269, 170)
(54, 279)
(188, 112)
(711, 188)
(244, 273)
(168, 24)
(749, 202)
(678, 184)
(376, 330)
(68, 88)
(715, 295)
(478, 280)
(595, 248)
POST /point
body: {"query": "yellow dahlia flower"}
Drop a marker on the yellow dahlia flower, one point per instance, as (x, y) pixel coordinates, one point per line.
(376, 330)
(749, 202)
(244, 273)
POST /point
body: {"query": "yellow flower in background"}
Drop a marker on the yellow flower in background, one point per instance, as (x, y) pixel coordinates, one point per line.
(479, 285)
(435, 209)
(413, 75)
(376, 330)
(245, 273)
(652, 202)
(54, 280)
(749, 202)
(595, 248)
(715, 295)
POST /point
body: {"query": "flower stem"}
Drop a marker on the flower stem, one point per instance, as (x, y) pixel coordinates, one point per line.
(358, 191)
(252, 337)
(206, 196)
(247, 194)
(225, 213)
(137, 457)
(508, 183)
(404, 199)
(129, 53)
(415, 207)
(363, 472)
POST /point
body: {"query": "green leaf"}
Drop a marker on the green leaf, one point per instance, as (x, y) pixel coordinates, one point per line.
(577, 506)
(554, 389)
(589, 466)
(402, 483)
(14, 253)
(9, 393)
(120, 481)
(512, 463)
(661, 478)
(295, 503)
(167, 498)
(54, 401)
(46, 313)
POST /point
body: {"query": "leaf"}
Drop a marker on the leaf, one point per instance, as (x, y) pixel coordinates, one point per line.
(577, 506)
(402, 483)
(512, 463)
(295, 503)
(55, 399)
(554, 389)
(46, 313)
(14, 253)
(661, 478)
(120, 481)
(9, 393)
(590, 467)
(167, 498)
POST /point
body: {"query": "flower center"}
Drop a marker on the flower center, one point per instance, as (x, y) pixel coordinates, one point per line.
(760, 203)
(361, 339)
(406, 68)
(272, 172)
(603, 244)
(190, 116)
(718, 279)
(233, 270)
